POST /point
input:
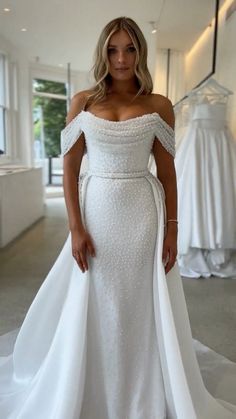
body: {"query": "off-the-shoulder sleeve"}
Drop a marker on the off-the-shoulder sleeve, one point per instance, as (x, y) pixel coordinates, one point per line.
(70, 134)
(166, 135)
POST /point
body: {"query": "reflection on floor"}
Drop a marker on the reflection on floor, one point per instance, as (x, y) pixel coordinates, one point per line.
(25, 263)
(54, 191)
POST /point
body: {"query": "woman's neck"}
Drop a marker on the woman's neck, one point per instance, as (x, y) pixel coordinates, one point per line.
(123, 88)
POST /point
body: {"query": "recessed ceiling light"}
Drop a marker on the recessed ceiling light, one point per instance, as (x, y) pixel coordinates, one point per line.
(60, 65)
(23, 30)
(6, 9)
(154, 30)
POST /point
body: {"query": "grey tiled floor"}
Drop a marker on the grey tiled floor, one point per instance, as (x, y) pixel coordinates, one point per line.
(25, 263)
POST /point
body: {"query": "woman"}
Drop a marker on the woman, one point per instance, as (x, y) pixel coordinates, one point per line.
(123, 93)
(107, 336)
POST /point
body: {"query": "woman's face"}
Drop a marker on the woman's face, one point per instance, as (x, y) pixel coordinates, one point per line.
(121, 56)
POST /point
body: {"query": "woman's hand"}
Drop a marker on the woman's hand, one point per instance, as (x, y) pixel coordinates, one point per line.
(81, 244)
(169, 253)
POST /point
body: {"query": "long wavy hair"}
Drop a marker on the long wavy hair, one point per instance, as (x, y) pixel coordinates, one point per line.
(101, 64)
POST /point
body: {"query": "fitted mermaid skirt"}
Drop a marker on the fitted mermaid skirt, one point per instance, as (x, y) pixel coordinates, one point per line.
(123, 366)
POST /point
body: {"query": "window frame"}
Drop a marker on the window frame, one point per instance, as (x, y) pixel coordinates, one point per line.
(10, 107)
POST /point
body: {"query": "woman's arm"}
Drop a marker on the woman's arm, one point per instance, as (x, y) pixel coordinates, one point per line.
(167, 175)
(71, 168)
(81, 241)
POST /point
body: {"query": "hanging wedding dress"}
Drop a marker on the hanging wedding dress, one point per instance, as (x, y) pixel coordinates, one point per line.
(182, 111)
(115, 342)
(206, 175)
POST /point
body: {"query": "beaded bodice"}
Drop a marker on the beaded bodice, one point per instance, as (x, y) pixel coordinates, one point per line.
(118, 146)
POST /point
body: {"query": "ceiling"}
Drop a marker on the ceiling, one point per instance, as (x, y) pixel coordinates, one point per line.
(60, 31)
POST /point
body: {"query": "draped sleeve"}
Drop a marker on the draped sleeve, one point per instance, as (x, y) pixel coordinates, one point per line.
(70, 134)
(166, 135)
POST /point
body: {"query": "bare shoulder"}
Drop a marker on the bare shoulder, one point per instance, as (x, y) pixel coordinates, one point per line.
(77, 104)
(164, 107)
(81, 96)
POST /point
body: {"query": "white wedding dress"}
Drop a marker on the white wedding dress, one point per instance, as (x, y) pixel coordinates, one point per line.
(206, 174)
(115, 342)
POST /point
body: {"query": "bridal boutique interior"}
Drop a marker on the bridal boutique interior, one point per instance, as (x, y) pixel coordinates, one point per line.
(45, 57)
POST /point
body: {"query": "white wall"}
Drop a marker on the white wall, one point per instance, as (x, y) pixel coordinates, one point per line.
(226, 64)
(198, 61)
(159, 79)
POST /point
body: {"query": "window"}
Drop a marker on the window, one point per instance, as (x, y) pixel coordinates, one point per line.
(49, 113)
(3, 108)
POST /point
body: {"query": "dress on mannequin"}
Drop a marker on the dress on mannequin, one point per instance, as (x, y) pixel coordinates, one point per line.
(114, 342)
(206, 175)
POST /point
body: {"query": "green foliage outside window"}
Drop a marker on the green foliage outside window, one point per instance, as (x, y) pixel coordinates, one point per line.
(53, 113)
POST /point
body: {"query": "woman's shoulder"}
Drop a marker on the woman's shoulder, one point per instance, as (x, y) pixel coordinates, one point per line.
(81, 96)
(78, 103)
(160, 100)
(163, 106)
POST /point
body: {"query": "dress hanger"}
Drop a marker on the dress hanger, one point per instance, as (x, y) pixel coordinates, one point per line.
(210, 88)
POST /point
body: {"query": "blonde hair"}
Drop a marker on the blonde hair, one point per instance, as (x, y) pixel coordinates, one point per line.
(101, 65)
